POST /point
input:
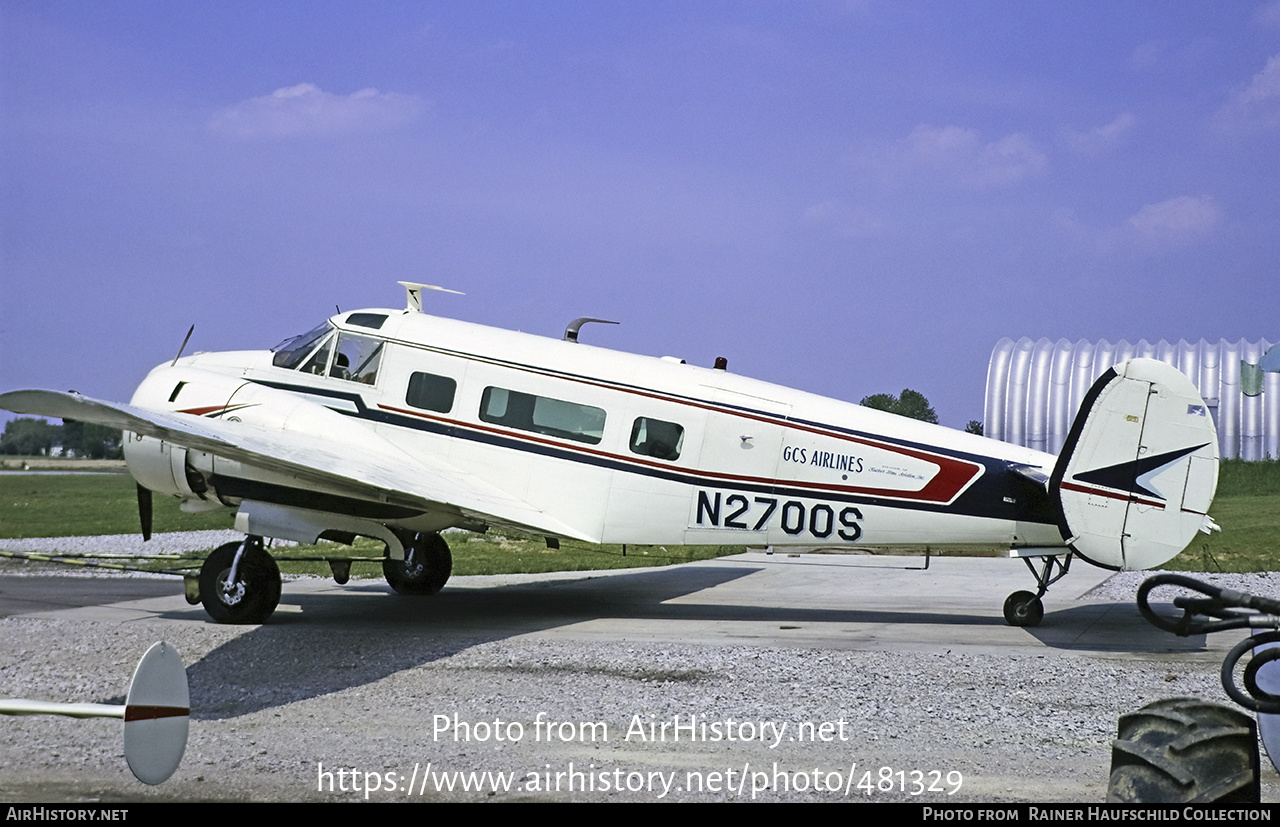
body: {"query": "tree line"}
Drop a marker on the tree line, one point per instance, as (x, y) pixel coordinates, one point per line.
(30, 437)
(912, 404)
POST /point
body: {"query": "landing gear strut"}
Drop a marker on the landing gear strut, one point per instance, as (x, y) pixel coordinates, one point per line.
(1025, 608)
(426, 566)
(240, 583)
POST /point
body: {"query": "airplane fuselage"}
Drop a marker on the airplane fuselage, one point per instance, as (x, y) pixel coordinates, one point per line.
(620, 448)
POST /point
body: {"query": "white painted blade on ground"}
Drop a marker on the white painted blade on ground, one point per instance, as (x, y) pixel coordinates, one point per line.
(157, 713)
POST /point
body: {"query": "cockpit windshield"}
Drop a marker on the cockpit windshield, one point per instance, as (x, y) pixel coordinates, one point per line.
(291, 352)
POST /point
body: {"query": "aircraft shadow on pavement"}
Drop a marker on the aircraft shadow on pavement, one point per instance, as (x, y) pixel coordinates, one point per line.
(364, 634)
(1109, 627)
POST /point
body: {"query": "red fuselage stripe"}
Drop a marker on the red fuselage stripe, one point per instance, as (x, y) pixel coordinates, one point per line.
(142, 712)
(952, 477)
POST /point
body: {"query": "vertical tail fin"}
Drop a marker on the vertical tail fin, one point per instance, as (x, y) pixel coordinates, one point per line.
(1139, 469)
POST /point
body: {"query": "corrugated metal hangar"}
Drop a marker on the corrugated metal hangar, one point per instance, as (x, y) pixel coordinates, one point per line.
(1034, 388)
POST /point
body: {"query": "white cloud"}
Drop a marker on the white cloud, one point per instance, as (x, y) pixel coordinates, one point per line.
(1156, 229)
(1265, 86)
(1176, 221)
(1103, 138)
(306, 109)
(1257, 106)
(959, 155)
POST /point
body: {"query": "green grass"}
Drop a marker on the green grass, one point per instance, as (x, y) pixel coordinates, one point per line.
(1239, 478)
(78, 505)
(509, 552)
(33, 505)
(501, 552)
(1249, 540)
(1247, 507)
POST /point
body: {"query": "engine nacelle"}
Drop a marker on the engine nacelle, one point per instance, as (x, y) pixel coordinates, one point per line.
(164, 468)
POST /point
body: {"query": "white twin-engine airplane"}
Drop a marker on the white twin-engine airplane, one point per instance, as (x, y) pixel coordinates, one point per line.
(396, 425)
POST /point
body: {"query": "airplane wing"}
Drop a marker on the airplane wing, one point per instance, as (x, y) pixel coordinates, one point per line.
(362, 464)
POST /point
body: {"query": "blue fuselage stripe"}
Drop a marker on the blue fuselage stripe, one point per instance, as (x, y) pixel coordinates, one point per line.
(996, 494)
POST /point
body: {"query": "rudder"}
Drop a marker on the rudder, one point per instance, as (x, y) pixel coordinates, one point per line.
(1139, 469)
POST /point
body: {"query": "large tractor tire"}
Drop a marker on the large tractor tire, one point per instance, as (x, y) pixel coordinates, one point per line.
(1184, 751)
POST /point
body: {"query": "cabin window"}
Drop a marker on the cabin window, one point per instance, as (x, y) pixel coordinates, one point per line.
(542, 415)
(655, 438)
(291, 352)
(431, 392)
(357, 359)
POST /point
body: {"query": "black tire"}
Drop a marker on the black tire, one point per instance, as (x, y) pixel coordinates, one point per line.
(1023, 609)
(256, 591)
(1184, 751)
(425, 569)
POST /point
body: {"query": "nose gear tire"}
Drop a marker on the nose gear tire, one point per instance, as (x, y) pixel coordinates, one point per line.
(254, 594)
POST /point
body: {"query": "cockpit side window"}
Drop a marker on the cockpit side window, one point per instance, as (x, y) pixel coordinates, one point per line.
(316, 364)
(291, 352)
(357, 359)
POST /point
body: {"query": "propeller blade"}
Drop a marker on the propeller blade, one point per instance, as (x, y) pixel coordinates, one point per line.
(144, 511)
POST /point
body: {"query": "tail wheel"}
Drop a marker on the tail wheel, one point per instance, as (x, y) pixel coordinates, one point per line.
(254, 592)
(1023, 609)
(426, 566)
(1184, 751)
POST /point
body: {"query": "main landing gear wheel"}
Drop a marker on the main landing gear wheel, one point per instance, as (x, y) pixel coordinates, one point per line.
(1023, 609)
(1184, 751)
(254, 592)
(426, 566)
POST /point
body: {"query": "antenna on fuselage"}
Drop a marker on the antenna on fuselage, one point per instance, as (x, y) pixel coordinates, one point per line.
(571, 332)
(413, 294)
(185, 339)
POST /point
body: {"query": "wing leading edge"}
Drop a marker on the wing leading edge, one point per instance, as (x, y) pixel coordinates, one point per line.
(369, 468)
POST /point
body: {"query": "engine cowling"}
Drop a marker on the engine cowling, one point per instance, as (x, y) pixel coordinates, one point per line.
(163, 467)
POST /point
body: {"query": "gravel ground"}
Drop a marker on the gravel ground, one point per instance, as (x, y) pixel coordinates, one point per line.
(307, 711)
(133, 544)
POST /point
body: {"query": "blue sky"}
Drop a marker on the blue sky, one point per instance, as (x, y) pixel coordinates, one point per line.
(844, 197)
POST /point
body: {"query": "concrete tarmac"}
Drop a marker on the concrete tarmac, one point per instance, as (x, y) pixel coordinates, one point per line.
(828, 601)
(919, 662)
